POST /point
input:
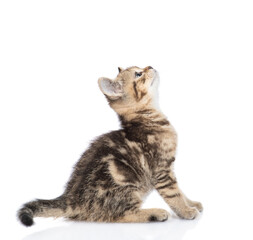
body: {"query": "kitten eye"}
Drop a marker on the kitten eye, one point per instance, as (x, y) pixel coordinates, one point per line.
(138, 74)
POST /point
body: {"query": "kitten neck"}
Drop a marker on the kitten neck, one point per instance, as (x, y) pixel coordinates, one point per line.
(148, 117)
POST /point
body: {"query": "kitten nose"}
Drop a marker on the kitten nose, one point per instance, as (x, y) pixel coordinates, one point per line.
(147, 68)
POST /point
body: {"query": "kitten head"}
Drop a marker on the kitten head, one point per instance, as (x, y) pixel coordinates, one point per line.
(133, 89)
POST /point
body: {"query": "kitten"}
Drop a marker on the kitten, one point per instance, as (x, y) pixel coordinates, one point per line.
(121, 167)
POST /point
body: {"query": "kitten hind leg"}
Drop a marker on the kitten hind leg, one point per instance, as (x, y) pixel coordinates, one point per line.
(145, 215)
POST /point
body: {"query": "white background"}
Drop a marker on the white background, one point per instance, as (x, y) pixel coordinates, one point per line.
(51, 55)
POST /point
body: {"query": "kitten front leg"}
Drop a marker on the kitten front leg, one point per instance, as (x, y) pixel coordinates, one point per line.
(168, 188)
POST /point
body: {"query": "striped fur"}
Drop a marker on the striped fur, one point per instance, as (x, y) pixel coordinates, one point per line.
(121, 167)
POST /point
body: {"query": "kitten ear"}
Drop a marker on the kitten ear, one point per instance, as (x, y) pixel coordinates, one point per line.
(120, 69)
(112, 89)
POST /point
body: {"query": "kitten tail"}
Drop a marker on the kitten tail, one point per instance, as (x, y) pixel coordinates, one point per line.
(41, 208)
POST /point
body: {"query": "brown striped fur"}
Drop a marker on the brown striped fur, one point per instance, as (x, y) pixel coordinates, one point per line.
(121, 167)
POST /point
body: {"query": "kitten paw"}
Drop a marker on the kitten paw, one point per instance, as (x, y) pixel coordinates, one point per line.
(190, 213)
(160, 215)
(197, 205)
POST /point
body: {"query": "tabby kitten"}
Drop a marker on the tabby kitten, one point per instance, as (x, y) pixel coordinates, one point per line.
(121, 167)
